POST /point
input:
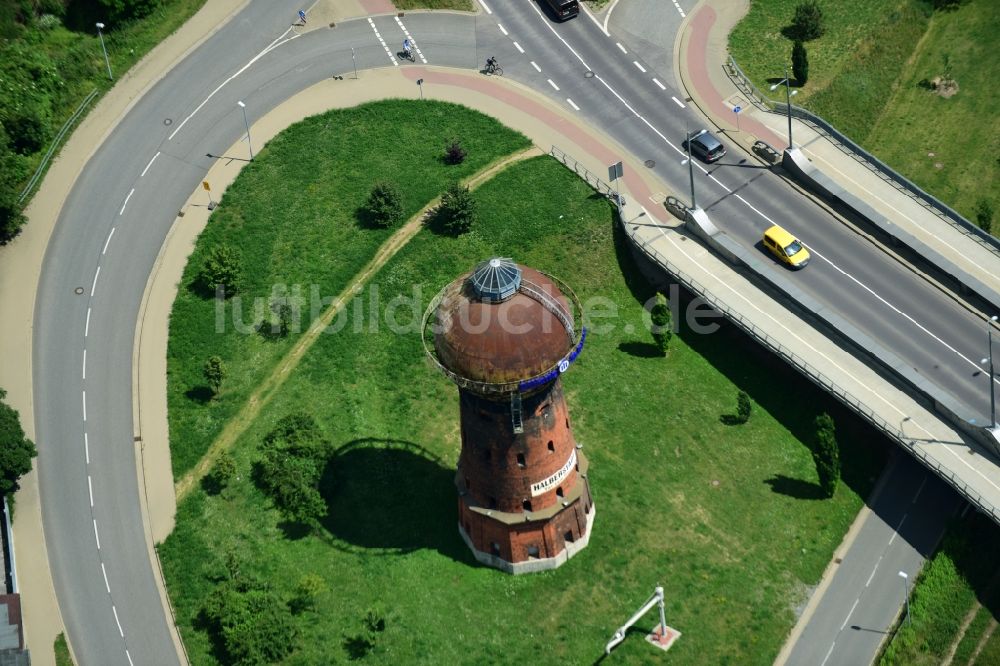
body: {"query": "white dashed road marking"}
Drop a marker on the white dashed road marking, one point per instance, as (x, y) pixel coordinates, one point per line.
(485, 7)
(535, 65)
(571, 103)
(641, 68)
(619, 45)
(678, 102)
(657, 82)
(149, 165)
(553, 84)
(502, 29)
(518, 47)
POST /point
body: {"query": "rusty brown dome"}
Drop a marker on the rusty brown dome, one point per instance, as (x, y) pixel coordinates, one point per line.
(500, 341)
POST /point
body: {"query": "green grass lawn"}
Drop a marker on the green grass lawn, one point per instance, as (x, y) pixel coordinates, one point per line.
(725, 517)
(960, 573)
(61, 649)
(864, 76)
(326, 166)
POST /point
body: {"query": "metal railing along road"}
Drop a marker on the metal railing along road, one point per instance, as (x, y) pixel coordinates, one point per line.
(859, 154)
(815, 375)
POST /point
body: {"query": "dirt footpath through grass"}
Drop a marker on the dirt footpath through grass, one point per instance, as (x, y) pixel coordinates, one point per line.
(267, 389)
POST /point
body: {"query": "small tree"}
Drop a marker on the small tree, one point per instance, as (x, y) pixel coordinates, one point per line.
(385, 204)
(984, 215)
(223, 268)
(284, 317)
(454, 153)
(827, 454)
(800, 63)
(458, 209)
(249, 622)
(224, 471)
(807, 23)
(16, 450)
(294, 457)
(309, 588)
(743, 407)
(662, 323)
(214, 372)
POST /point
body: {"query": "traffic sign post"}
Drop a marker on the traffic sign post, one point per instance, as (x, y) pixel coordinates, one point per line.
(736, 110)
(616, 171)
(208, 188)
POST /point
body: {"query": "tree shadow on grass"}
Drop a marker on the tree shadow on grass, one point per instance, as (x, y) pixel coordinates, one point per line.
(640, 349)
(391, 496)
(774, 385)
(796, 488)
(731, 419)
(200, 394)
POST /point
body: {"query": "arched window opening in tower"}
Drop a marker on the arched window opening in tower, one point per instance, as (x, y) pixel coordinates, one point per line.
(520, 460)
(526, 504)
(552, 447)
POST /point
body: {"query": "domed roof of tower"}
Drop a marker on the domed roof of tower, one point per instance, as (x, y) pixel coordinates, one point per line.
(502, 323)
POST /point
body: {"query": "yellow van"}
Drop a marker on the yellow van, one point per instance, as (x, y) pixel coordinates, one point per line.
(786, 247)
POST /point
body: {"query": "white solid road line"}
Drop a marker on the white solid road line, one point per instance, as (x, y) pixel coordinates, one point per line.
(573, 104)
(115, 611)
(657, 82)
(895, 532)
(849, 613)
(150, 164)
(108, 240)
(278, 41)
(126, 201)
(828, 653)
(607, 16)
(590, 15)
(537, 68)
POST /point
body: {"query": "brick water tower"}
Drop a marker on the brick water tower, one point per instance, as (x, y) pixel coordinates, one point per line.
(504, 333)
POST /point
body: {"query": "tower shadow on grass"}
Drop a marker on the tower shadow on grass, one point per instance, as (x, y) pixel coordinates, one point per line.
(387, 496)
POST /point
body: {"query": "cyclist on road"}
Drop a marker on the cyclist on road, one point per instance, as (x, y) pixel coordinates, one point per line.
(491, 64)
(407, 46)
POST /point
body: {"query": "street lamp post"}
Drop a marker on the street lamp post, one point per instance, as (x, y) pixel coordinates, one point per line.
(690, 165)
(989, 378)
(100, 26)
(906, 594)
(247, 123)
(788, 103)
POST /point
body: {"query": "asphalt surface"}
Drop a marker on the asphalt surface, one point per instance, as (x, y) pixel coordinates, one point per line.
(864, 598)
(125, 201)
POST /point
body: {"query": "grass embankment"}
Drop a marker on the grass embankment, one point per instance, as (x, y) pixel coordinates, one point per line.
(306, 236)
(47, 69)
(723, 516)
(865, 77)
(460, 5)
(961, 575)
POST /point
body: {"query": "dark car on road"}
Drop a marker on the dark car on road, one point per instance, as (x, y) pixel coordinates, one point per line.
(705, 146)
(564, 9)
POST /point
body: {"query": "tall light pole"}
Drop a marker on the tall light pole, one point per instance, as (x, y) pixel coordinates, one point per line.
(906, 595)
(788, 103)
(100, 26)
(989, 359)
(247, 123)
(687, 144)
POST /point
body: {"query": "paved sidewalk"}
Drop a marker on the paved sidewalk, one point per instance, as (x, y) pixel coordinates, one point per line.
(701, 70)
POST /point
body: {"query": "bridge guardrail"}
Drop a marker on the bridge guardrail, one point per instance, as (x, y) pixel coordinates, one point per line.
(874, 164)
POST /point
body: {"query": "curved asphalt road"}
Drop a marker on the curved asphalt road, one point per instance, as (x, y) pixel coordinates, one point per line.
(124, 202)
